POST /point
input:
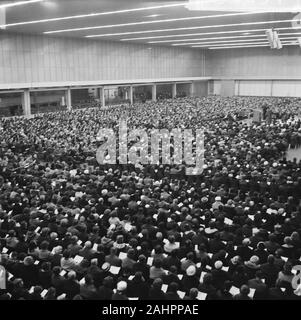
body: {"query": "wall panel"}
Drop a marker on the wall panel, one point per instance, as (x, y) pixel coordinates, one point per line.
(30, 58)
(287, 89)
(261, 63)
(217, 87)
(254, 88)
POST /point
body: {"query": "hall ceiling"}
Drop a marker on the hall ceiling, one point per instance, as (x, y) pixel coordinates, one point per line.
(164, 23)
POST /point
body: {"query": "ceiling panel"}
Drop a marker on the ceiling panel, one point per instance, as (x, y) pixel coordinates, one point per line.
(133, 21)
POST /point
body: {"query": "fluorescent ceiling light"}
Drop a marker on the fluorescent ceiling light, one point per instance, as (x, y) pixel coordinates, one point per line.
(235, 44)
(151, 22)
(189, 34)
(153, 16)
(196, 44)
(91, 14)
(245, 5)
(236, 47)
(252, 46)
(18, 3)
(189, 28)
(227, 41)
(229, 44)
(210, 38)
(221, 38)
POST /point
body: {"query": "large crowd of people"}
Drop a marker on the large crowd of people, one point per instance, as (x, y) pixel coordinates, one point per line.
(76, 230)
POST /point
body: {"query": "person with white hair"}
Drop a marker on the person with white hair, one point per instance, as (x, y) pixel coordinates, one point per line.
(120, 293)
(87, 251)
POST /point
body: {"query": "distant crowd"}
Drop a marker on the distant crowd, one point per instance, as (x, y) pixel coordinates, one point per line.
(71, 229)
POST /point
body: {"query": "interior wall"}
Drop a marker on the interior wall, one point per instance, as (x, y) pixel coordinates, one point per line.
(200, 88)
(227, 88)
(255, 71)
(31, 58)
(259, 63)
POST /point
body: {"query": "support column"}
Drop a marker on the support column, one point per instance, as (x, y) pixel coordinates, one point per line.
(174, 90)
(26, 103)
(272, 88)
(102, 96)
(68, 99)
(191, 89)
(131, 95)
(154, 92)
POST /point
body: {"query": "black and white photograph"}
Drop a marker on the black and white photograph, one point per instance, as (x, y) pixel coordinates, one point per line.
(150, 154)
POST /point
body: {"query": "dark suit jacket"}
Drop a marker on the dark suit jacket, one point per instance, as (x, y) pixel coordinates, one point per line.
(71, 288)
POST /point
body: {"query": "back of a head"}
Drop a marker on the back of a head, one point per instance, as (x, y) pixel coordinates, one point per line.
(157, 283)
(108, 282)
(227, 285)
(173, 287)
(173, 269)
(66, 254)
(157, 263)
(259, 274)
(88, 244)
(244, 290)
(138, 275)
(131, 253)
(56, 270)
(190, 256)
(71, 275)
(142, 258)
(193, 293)
(207, 280)
(88, 279)
(271, 259)
(37, 289)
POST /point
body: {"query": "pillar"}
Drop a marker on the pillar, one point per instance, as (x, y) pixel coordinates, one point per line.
(154, 92)
(68, 99)
(191, 89)
(174, 90)
(131, 95)
(26, 102)
(102, 96)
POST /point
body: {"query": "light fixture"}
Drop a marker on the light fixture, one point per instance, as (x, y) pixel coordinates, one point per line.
(153, 22)
(192, 28)
(187, 34)
(237, 44)
(220, 38)
(237, 47)
(234, 44)
(226, 41)
(90, 14)
(245, 5)
(153, 16)
(252, 46)
(18, 3)
(210, 38)
(218, 42)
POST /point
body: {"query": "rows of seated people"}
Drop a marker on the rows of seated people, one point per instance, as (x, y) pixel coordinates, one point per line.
(73, 229)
